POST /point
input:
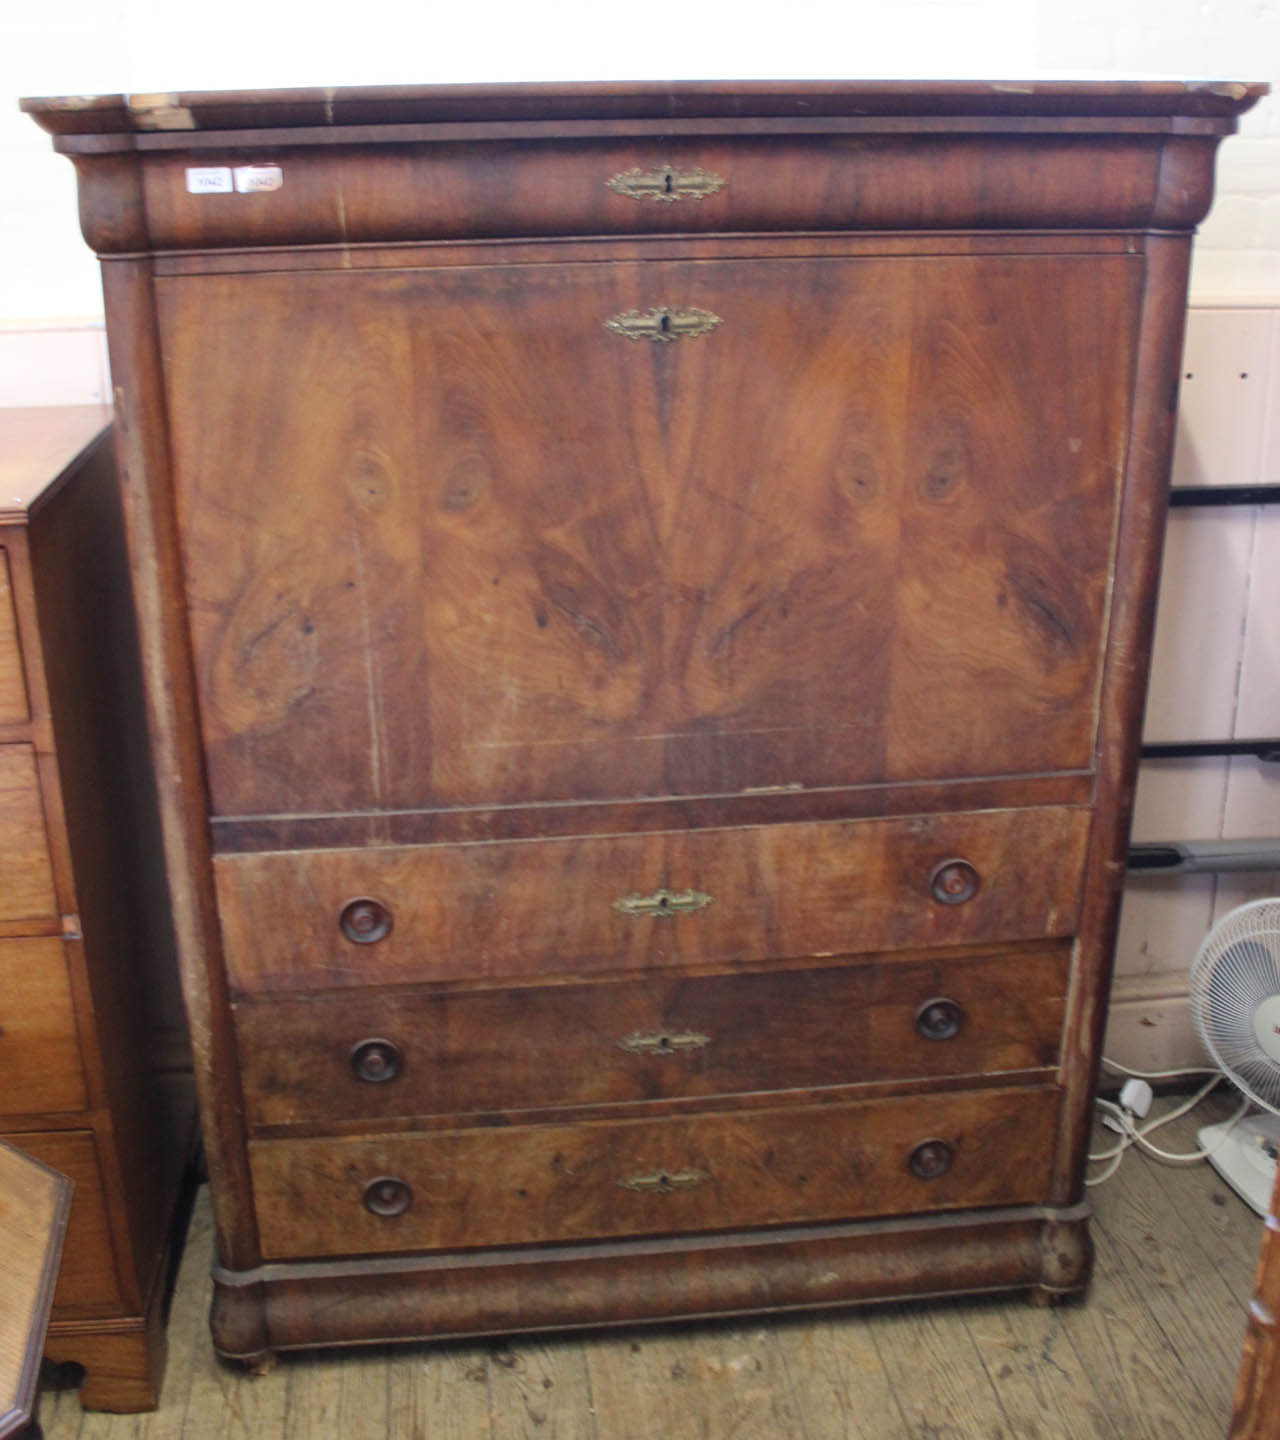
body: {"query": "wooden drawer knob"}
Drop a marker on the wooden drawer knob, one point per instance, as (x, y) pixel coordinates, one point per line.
(387, 1196)
(376, 1061)
(939, 1019)
(365, 921)
(953, 882)
(930, 1159)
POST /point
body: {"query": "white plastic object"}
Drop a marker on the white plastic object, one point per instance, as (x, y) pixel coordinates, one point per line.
(1136, 1097)
(1245, 1156)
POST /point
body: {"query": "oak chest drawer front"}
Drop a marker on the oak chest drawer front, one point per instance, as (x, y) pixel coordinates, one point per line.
(328, 918)
(40, 1068)
(13, 690)
(506, 1051)
(539, 1184)
(26, 876)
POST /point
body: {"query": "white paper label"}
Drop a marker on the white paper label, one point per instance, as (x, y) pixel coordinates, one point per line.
(253, 178)
(209, 180)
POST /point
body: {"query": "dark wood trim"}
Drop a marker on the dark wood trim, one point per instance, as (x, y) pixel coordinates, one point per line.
(245, 833)
(567, 249)
(657, 1109)
(598, 101)
(643, 128)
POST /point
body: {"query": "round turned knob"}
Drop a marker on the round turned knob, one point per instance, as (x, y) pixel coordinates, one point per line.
(376, 1061)
(954, 882)
(387, 1196)
(939, 1019)
(930, 1159)
(365, 921)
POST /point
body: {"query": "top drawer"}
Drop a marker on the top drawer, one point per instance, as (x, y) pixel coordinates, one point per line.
(415, 914)
(13, 693)
(593, 185)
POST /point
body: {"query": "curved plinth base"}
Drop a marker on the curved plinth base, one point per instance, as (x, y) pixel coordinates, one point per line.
(437, 1297)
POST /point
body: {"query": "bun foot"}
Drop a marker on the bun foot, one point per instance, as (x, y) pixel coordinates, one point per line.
(260, 1364)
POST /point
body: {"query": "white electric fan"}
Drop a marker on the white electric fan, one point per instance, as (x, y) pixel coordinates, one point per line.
(1235, 998)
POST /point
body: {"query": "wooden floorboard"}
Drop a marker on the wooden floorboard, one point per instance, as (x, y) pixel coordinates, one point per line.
(1044, 1387)
(1151, 1354)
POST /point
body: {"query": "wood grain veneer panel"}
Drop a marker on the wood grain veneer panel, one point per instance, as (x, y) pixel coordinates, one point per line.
(471, 184)
(13, 689)
(547, 907)
(491, 1050)
(475, 548)
(545, 1183)
(26, 875)
(40, 1066)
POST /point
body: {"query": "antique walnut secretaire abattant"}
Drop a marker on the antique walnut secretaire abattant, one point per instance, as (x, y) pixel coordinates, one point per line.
(645, 593)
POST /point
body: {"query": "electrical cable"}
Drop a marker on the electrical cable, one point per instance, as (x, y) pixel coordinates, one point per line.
(1132, 1134)
(1159, 1074)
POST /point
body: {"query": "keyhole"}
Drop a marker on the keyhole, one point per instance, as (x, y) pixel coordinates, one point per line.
(664, 1042)
(665, 326)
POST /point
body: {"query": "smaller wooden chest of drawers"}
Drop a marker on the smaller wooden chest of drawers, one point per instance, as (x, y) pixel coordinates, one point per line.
(94, 1072)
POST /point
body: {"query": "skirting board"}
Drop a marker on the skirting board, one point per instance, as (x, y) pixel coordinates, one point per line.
(1150, 1026)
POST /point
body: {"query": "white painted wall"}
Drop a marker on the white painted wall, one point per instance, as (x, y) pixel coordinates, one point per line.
(84, 46)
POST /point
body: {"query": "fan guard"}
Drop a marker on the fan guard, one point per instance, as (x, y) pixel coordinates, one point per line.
(1235, 998)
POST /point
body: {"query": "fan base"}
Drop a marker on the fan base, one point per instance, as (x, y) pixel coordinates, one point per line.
(1245, 1158)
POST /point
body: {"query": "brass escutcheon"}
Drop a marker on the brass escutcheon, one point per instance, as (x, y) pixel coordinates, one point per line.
(664, 323)
(663, 904)
(664, 1182)
(666, 1043)
(666, 183)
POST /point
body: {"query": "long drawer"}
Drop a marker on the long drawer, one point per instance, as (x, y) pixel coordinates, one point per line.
(413, 914)
(663, 184)
(40, 1069)
(540, 1184)
(371, 1056)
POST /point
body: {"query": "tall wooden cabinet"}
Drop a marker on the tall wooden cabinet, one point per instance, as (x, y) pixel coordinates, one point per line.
(645, 594)
(94, 1072)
